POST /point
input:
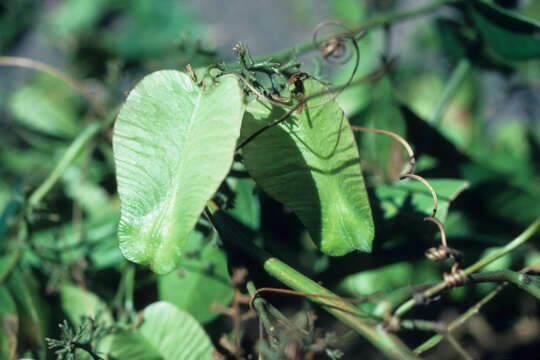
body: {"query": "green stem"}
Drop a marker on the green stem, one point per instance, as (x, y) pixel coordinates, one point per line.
(422, 325)
(88, 348)
(457, 346)
(528, 283)
(129, 285)
(270, 309)
(380, 20)
(434, 340)
(259, 305)
(457, 77)
(386, 342)
(518, 241)
(71, 154)
(511, 246)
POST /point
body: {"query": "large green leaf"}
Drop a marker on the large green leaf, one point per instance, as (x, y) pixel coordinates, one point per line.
(166, 333)
(173, 145)
(201, 279)
(311, 164)
(510, 35)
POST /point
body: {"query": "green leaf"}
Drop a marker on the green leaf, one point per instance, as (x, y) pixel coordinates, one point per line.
(173, 145)
(247, 208)
(166, 333)
(77, 302)
(73, 16)
(48, 105)
(32, 322)
(388, 278)
(393, 197)
(510, 35)
(100, 241)
(9, 325)
(155, 28)
(201, 280)
(385, 156)
(310, 163)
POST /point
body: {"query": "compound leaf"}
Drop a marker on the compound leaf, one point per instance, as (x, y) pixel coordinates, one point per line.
(173, 145)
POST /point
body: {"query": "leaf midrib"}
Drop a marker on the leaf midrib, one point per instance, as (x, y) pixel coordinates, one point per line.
(174, 189)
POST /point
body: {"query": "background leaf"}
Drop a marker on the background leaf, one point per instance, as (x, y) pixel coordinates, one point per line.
(384, 157)
(201, 279)
(393, 197)
(173, 146)
(511, 36)
(77, 302)
(310, 163)
(9, 325)
(166, 333)
(48, 106)
(32, 320)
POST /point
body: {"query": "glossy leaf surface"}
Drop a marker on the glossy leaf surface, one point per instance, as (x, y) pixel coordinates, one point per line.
(173, 145)
(310, 163)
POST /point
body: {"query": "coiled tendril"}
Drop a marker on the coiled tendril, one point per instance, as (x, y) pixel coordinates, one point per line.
(334, 49)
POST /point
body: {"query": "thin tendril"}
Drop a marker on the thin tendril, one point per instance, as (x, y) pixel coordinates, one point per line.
(266, 127)
(336, 42)
(430, 188)
(402, 141)
(441, 229)
(369, 77)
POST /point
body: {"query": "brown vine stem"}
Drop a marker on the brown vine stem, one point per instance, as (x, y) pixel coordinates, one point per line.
(430, 188)
(518, 241)
(434, 340)
(440, 226)
(38, 65)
